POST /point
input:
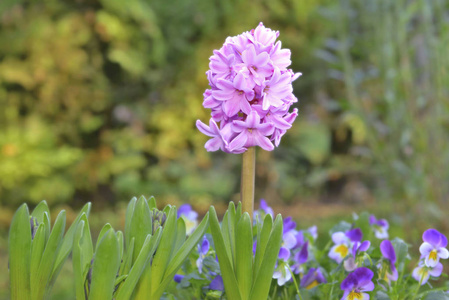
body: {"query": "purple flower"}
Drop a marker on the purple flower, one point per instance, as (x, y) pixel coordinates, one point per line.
(313, 278)
(190, 217)
(203, 249)
(217, 284)
(343, 242)
(300, 258)
(249, 75)
(357, 283)
(434, 247)
(387, 266)
(352, 262)
(178, 278)
(422, 272)
(380, 227)
(251, 133)
(282, 273)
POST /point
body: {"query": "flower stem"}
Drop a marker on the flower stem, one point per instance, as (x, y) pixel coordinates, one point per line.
(248, 175)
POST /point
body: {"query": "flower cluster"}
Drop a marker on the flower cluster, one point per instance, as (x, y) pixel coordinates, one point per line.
(251, 93)
(432, 250)
(362, 269)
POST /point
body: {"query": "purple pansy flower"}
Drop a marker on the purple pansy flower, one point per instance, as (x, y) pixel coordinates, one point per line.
(282, 272)
(344, 241)
(380, 227)
(300, 258)
(352, 262)
(178, 278)
(357, 283)
(217, 284)
(422, 272)
(434, 247)
(190, 217)
(387, 265)
(249, 71)
(313, 278)
(203, 249)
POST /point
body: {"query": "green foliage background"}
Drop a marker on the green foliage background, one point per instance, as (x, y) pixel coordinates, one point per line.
(98, 100)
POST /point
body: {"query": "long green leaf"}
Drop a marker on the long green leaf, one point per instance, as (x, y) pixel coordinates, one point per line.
(262, 242)
(140, 264)
(141, 225)
(262, 282)
(165, 249)
(105, 267)
(19, 243)
(126, 264)
(128, 219)
(67, 242)
(226, 236)
(180, 234)
(231, 214)
(37, 249)
(103, 231)
(244, 255)
(48, 258)
(39, 211)
(181, 255)
(78, 269)
(227, 272)
(152, 202)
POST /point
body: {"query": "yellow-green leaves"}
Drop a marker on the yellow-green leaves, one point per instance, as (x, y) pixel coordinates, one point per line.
(20, 254)
(37, 251)
(244, 276)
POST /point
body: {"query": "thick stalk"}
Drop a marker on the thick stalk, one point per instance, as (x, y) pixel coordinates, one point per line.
(248, 175)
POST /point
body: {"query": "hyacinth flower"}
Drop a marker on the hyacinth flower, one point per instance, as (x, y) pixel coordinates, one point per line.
(357, 283)
(387, 268)
(344, 242)
(380, 227)
(190, 217)
(250, 97)
(433, 248)
(313, 278)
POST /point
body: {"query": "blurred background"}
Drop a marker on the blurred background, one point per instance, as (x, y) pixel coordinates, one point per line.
(99, 98)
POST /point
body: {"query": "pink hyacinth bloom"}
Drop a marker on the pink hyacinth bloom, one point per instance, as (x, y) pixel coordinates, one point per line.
(250, 92)
(252, 133)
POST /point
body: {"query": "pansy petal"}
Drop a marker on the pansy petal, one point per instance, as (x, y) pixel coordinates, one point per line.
(425, 248)
(432, 236)
(355, 234)
(339, 237)
(436, 271)
(443, 253)
(387, 250)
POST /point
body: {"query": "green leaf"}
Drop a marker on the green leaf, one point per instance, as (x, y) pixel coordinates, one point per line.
(141, 225)
(119, 235)
(401, 249)
(67, 243)
(363, 223)
(226, 236)
(165, 250)
(227, 272)
(81, 256)
(152, 203)
(180, 234)
(128, 260)
(230, 231)
(105, 267)
(244, 255)
(37, 249)
(128, 220)
(39, 211)
(19, 247)
(148, 248)
(181, 255)
(261, 285)
(437, 295)
(47, 226)
(262, 242)
(49, 258)
(103, 231)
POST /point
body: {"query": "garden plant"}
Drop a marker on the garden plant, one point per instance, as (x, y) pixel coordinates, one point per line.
(167, 254)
